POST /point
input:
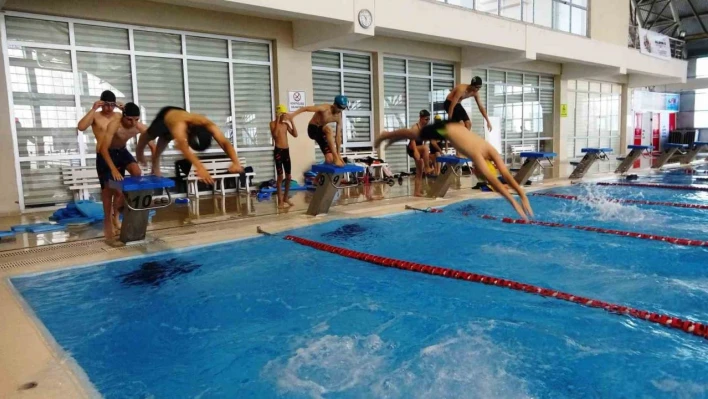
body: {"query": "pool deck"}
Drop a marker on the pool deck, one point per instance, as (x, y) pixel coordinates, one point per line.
(28, 353)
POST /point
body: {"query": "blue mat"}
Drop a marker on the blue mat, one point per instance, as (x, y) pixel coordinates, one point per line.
(90, 209)
(328, 168)
(46, 228)
(79, 220)
(6, 234)
(24, 228)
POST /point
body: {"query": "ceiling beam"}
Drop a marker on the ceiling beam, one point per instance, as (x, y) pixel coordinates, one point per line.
(660, 12)
(700, 21)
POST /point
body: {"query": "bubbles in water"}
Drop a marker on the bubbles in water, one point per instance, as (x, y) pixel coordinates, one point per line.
(346, 231)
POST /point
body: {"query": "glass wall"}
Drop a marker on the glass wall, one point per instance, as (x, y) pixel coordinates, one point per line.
(564, 15)
(58, 68)
(523, 102)
(410, 86)
(593, 114)
(341, 72)
(701, 109)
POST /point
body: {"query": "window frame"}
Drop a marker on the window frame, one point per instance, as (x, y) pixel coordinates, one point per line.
(607, 97)
(83, 154)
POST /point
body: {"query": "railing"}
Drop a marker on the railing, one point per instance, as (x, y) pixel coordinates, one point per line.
(678, 47)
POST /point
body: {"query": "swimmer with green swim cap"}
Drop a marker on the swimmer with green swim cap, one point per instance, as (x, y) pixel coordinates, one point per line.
(473, 147)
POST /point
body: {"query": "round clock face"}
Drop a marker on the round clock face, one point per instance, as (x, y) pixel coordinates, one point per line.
(365, 18)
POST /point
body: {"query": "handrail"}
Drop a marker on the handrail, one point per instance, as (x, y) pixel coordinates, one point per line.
(678, 46)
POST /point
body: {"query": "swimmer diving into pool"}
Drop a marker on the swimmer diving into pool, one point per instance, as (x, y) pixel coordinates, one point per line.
(187, 130)
(471, 146)
(318, 130)
(456, 112)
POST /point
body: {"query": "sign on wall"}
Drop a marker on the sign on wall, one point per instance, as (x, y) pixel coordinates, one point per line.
(672, 102)
(654, 44)
(564, 110)
(296, 100)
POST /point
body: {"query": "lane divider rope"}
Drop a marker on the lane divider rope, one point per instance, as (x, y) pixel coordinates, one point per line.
(623, 201)
(688, 326)
(633, 234)
(654, 185)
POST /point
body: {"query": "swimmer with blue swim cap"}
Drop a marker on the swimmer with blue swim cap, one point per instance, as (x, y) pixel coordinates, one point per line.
(473, 147)
(188, 130)
(317, 129)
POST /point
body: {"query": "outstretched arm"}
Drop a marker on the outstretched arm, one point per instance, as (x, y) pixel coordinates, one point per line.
(225, 145)
(482, 110)
(311, 108)
(506, 174)
(395, 136)
(478, 160)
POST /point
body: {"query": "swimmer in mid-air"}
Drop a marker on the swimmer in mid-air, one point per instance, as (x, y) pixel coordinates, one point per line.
(318, 130)
(456, 112)
(187, 130)
(471, 146)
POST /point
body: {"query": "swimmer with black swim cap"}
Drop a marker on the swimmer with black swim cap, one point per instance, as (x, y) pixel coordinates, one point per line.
(461, 92)
(187, 130)
(473, 147)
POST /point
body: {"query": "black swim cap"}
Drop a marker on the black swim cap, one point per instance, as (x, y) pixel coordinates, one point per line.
(131, 109)
(424, 113)
(199, 138)
(476, 81)
(108, 97)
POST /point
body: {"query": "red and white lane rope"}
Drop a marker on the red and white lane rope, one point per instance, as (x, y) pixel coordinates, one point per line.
(623, 201)
(653, 185)
(623, 233)
(688, 326)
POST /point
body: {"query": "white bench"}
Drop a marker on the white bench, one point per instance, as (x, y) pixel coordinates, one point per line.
(80, 180)
(516, 151)
(376, 169)
(219, 171)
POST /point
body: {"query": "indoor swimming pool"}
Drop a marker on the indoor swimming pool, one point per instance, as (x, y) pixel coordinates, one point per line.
(266, 317)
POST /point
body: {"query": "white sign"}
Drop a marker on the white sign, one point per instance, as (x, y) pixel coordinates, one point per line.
(654, 44)
(296, 100)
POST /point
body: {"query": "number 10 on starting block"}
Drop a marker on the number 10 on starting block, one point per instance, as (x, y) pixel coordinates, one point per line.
(138, 192)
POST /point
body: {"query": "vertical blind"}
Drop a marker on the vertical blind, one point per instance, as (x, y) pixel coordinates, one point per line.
(523, 103)
(45, 90)
(593, 115)
(409, 87)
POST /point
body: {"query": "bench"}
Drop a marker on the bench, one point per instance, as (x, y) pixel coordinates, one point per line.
(80, 179)
(516, 151)
(219, 171)
(375, 169)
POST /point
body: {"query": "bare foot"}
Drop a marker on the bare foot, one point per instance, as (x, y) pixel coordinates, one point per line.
(289, 202)
(281, 206)
(339, 162)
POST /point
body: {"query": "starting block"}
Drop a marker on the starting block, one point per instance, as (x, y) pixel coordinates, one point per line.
(452, 166)
(636, 152)
(591, 155)
(533, 161)
(138, 192)
(669, 150)
(693, 151)
(326, 185)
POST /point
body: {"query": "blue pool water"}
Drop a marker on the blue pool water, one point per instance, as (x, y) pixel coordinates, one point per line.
(266, 318)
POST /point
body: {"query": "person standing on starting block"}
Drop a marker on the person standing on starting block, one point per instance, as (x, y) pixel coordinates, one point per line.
(279, 129)
(456, 112)
(187, 130)
(471, 146)
(417, 150)
(318, 130)
(112, 161)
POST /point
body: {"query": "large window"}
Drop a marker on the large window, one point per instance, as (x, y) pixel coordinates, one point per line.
(348, 73)
(58, 67)
(701, 109)
(593, 114)
(410, 86)
(523, 104)
(564, 15)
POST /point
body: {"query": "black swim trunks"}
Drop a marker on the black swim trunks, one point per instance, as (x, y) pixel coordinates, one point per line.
(318, 134)
(435, 131)
(282, 160)
(458, 113)
(121, 158)
(158, 128)
(434, 150)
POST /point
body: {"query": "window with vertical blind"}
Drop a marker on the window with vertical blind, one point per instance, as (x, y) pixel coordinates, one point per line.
(341, 72)
(523, 102)
(58, 68)
(410, 86)
(593, 114)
